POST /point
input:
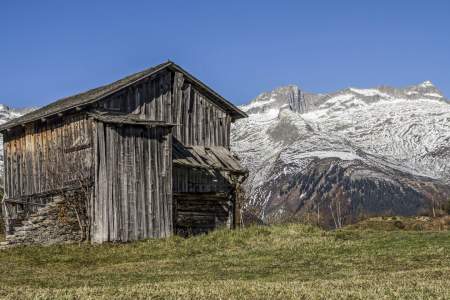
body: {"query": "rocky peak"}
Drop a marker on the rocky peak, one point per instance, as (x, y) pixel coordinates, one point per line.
(303, 102)
(383, 146)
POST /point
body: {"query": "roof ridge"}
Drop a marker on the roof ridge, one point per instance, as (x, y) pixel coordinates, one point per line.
(98, 93)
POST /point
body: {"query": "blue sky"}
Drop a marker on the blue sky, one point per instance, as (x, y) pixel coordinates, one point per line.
(53, 49)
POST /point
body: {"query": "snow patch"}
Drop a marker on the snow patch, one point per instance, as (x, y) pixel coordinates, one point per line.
(433, 95)
(365, 92)
(426, 84)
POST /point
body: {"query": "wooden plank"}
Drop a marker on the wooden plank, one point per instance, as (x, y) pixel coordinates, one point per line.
(152, 183)
(219, 130)
(186, 107)
(162, 181)
(153, 99)
(129, 188)
(38, 158)
(109, 184)
(215, 124)
(207, 125)
(140, 201)
(175, 100)
(95, 207)
(16, 167)
(201, 135)
(132, 191)
(144, 101)
(103, 220)
(198, 120)
(125, 196)
(137, 100)
(32, 158)
(168, 97)
(19, 163)
(228, 131)
(156, 166)
(179, 104)
(121, 182)
(128, 101)
(6, 163)
(159, 95)
(169, 179)
(146, 182)
(49, 159)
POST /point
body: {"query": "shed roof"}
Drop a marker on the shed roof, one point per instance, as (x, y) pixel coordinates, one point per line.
(94, 95)
(211, 158)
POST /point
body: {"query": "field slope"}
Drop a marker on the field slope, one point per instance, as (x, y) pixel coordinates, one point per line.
(289, 261)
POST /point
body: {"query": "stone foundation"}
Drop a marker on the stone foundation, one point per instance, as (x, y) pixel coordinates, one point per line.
(52, 224)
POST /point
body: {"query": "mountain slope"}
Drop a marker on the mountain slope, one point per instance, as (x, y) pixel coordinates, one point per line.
(382, 145)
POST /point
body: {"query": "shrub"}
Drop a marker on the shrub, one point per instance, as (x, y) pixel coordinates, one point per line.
(399, 224)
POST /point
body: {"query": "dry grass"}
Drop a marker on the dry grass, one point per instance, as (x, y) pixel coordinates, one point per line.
(399, 223)
(289, 261)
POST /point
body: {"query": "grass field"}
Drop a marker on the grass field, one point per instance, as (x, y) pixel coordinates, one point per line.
(288, 261)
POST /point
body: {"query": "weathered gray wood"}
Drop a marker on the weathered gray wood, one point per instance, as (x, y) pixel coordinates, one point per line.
(6, 165)
(120, 182)
(146, 193)
(153, 85)
(169, 181)
(157, 177)
(186, 101)
(144, 100)
(168, 98)
(140, 163)
(152, 183)
(103, 220)
(95, 205)
(134, 177)
(180, 103)
(109, 185)
(161, 185)
(160, 95)
(132, 191)
(125, 195)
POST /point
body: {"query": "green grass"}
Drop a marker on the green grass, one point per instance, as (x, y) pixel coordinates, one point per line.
(289, 261)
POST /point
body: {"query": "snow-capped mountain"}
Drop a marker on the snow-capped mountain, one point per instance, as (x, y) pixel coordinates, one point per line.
(6, 115)
(384, 146)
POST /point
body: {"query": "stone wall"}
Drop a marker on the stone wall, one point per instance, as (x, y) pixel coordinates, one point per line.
(52, 224)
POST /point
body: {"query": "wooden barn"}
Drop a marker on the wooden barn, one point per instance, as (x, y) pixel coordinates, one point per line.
(158, 147)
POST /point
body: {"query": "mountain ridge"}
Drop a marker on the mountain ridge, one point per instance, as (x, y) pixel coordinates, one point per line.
(398, 136)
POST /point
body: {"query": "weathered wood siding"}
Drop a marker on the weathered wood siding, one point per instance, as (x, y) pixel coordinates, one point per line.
(167, 97)
(199, 212)
(133, 194)
(200, 181)
(27, 150)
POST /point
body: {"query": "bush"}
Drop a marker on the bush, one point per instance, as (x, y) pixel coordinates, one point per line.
(399, 224)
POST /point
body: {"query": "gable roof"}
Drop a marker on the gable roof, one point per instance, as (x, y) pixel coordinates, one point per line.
(94, 95)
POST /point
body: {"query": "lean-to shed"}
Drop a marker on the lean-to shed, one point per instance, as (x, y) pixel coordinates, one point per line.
(158, 145)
